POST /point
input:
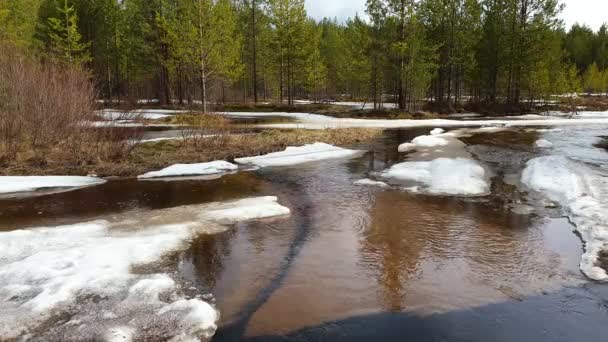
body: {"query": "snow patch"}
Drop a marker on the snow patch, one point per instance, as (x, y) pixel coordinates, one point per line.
(246, 209)
(201, 169)
(543, 143)
(437, 131)
(86, 271)
(583, 195)
(407, 147)
(430, 141)
(447, 176)
(15, 184)
(299, 155)
(370, 182)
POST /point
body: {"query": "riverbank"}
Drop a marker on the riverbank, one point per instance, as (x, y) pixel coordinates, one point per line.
(366, 110)
(154, 155)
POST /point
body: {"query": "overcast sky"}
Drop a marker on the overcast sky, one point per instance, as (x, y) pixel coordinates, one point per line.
(590, 12)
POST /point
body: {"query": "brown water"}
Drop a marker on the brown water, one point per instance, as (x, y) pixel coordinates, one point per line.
(350, 251)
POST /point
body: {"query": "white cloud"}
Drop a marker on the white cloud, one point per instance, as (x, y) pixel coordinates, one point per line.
(593, 13)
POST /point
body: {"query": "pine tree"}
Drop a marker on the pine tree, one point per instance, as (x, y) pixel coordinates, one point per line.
(66, 44)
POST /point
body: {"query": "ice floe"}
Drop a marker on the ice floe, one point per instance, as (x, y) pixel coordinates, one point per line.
(104, 280)
(448, 176)
(301, 154)
(543, 143)
(437, 131)
(18, 184)
(201, 169)
(247, 209)
(583, 195)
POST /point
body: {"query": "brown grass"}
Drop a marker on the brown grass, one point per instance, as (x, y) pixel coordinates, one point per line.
(157, 155)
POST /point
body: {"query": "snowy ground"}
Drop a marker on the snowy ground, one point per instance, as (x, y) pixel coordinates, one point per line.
(316, 121)
(104, 280)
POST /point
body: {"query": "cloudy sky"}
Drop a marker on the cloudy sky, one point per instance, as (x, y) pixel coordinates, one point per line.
(591, 12)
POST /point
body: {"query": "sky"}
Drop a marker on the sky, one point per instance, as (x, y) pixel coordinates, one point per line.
(590, 12)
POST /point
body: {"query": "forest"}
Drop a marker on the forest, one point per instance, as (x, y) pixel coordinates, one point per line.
(438, 55)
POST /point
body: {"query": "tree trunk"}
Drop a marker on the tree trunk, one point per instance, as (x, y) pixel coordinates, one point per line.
(254, 61)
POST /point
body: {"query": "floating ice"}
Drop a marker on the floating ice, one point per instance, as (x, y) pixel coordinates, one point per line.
(430, 141)
(543, 143)
(407, 147)
(448, 176)
(583, 195)
(302, 154)
(369, 182)
(201, 169)
(437, 131)
(247, 209)
(101, 275)
(14, 184)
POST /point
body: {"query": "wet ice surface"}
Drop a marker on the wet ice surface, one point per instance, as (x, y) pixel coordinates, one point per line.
(201, 169)
(300, 154)
(27, 185)
(104, 280)
(360, 263)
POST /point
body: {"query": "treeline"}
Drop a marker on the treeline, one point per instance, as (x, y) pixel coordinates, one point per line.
(502, 54)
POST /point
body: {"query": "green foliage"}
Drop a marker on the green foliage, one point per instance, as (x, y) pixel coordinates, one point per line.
(505, 52)
(65, 45)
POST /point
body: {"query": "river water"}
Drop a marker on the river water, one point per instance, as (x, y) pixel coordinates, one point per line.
(357, 263)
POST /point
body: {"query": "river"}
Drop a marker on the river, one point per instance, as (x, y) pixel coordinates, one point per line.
(365, 263)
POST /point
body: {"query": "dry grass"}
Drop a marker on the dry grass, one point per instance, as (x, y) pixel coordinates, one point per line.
(156, 155)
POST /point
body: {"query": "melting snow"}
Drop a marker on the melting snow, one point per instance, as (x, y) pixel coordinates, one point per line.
(247, 209)
(86, 273)
(543, 143)
(316, 121)
(370, 182)
(201, 169)
(447, 176)
(15, 184)
(302, 154)
(583, 194)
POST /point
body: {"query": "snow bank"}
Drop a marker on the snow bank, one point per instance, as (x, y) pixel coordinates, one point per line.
(86, 272)
(583, 195)
(299, 155)
(543, 143)
(447, 176)
(369, 182)
(247, 209)
(201, 169)
(316, 121)
(15, 184)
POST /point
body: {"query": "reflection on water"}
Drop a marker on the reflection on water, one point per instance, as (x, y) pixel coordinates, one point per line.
(346, 251)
